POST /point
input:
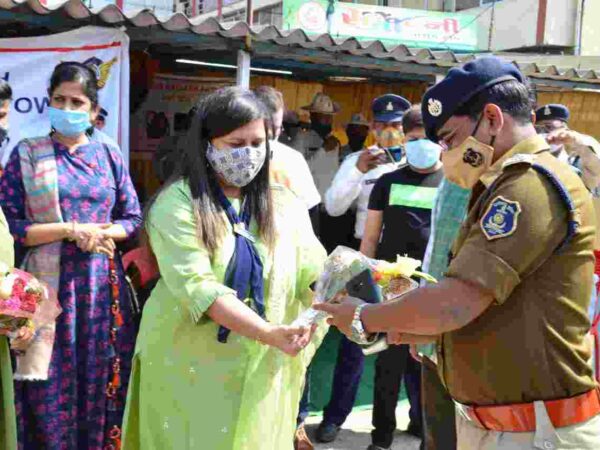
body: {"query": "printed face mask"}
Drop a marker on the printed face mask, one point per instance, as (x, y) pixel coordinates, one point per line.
(69, 123)
(237, 166)
(389, 137)
(464, 165)
(422, 153)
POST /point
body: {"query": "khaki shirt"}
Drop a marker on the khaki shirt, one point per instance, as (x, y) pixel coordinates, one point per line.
(530, 343)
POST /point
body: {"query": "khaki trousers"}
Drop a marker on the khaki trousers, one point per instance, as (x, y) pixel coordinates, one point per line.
(583, 436)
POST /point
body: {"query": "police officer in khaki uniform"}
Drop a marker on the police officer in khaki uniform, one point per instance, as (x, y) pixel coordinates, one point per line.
(579, 150)
(510, 318)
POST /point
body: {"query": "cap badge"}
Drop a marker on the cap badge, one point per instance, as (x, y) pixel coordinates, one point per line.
(434, 107)
(547, 111)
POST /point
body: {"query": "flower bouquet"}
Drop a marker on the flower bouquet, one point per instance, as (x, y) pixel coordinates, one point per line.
(25, 302)
(349, 272)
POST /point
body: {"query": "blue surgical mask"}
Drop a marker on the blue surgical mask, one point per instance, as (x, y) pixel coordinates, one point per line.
(422, 154)
(69, 123)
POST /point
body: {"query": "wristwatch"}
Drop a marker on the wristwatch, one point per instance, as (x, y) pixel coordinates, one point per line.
(359, 335)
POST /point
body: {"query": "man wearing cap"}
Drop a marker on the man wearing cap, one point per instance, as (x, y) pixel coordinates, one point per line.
(352, 185)
(579, 150)
(319, 148)
(510, 317)
(321, 151)
(357, 132)
(358, 173)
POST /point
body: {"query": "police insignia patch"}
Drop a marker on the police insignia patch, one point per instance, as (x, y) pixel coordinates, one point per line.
(500, 219)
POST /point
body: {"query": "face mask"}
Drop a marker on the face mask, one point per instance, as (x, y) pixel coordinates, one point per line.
(322, 129)
(389, 137)
(356, 142)
(464, 165)
(69, 123)
(422, 154)
(237, 166)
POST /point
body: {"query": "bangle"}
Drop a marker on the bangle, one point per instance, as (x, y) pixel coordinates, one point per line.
(71, 232)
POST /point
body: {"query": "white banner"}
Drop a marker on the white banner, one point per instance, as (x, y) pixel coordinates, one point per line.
(164, 111)
(27, 63)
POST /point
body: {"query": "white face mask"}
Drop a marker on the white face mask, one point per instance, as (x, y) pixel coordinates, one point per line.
(237, 166)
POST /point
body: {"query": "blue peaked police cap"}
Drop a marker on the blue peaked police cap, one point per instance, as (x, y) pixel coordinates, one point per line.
(553, 111)
(389, 108)
(460, 85)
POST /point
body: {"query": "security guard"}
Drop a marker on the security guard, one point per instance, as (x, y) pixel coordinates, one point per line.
(358, 173)
(510, 319)
(577, 149)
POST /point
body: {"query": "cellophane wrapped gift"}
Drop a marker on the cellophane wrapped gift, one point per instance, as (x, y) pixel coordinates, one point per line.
(24, 302)
(346, 265)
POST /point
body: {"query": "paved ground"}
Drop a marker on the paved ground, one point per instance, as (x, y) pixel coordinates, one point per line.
(355, 434)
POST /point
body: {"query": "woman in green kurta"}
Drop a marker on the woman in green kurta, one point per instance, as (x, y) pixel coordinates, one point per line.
(8, 424)
(188, 389)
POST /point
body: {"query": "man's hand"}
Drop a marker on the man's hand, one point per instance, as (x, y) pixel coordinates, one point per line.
(331, 143)
(341, 313)
(414, 353)
(394, 338)
(370, 158)
(573, 141)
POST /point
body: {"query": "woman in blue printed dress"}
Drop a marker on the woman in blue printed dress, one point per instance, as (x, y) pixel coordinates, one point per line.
(67, 192)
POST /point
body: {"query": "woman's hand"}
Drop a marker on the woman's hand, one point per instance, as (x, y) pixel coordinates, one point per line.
(290, 340)
(22, 339)
(92, 238)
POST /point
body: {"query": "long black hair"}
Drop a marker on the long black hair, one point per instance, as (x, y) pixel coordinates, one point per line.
(218, 114)
(79, 73)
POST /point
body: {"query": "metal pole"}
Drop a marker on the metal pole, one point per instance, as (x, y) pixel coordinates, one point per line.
(579, 27)
(491, 32)
(243, 69)
(249, 12)
(219, 10)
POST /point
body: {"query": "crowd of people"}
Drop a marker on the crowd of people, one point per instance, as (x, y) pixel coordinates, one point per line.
(493, 195)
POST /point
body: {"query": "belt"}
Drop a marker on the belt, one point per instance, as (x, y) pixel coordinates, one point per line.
(520, 417)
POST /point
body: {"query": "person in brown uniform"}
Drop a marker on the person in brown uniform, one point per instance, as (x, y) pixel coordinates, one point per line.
(510, 319)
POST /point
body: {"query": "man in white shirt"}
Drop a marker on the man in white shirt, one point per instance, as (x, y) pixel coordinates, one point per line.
(353, 184)
(289, 168)
(358, 173)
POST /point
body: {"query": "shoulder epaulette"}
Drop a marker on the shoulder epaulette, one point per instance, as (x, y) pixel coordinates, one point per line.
(518, 159)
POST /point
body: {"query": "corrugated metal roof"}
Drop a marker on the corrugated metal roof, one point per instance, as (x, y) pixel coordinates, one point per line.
(534, 66)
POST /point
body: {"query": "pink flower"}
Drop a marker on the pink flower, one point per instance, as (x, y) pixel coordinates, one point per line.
(18, 288)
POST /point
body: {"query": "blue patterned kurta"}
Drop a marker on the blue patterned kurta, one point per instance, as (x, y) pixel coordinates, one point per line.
(69, 411)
